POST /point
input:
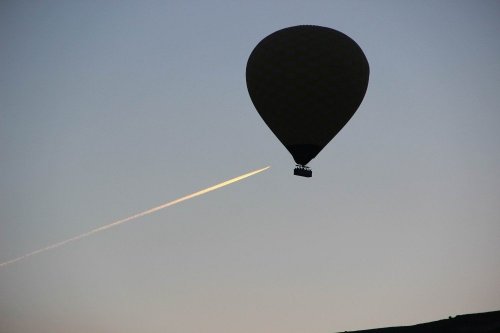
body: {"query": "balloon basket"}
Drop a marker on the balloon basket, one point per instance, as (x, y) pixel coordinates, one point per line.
(303, 171)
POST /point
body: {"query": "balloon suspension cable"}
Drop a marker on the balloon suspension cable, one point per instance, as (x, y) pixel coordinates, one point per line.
(302, 170)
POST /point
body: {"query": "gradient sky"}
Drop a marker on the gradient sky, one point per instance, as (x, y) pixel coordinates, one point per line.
(110, 108)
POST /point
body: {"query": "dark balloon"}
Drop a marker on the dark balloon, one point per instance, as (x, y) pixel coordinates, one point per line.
(306, 82)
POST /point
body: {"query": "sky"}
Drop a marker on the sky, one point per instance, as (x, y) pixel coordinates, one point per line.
(110, 108)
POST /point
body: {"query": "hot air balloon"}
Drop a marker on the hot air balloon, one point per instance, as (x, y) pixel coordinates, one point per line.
(306, 82)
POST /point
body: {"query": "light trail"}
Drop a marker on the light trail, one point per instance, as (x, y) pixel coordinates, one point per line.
(135, 216)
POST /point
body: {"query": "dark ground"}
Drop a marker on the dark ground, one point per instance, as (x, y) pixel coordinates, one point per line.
(486, 322)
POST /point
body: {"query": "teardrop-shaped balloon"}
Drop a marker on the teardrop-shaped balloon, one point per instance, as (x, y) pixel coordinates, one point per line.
(306, 82)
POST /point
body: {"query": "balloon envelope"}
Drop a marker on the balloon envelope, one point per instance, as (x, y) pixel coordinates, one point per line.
(306, 82)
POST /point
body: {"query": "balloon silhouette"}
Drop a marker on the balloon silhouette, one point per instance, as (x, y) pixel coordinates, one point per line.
(306, 82)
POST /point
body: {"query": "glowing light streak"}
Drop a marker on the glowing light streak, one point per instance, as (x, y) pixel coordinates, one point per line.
(135, 216)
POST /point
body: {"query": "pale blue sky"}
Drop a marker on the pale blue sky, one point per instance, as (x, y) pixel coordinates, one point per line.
(107, 109)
